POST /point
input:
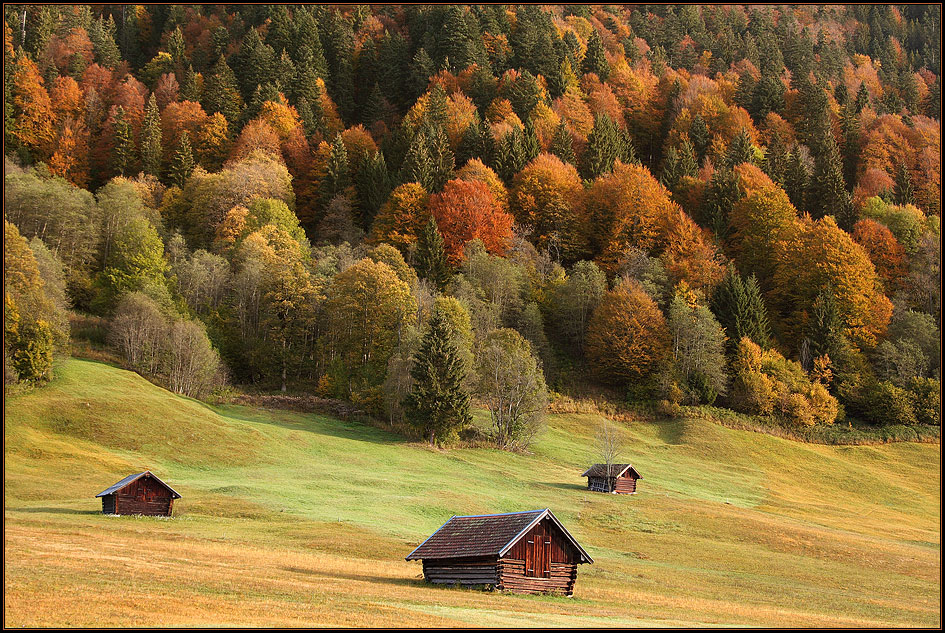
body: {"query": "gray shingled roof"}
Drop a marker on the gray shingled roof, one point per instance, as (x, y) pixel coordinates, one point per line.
(130, 478)
(484, 535)
(616, 470)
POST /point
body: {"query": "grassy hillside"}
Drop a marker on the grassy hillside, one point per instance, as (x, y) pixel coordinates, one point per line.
(297, 520)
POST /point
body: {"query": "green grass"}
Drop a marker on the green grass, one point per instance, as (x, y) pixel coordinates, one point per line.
(294, 519)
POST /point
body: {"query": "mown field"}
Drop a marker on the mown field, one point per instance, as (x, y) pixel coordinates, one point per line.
(290, 519)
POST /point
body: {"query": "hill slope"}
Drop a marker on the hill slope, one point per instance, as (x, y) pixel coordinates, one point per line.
(292, 519)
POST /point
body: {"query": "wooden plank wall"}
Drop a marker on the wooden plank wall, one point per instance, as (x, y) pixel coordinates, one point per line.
(459, 571)
(512, 578)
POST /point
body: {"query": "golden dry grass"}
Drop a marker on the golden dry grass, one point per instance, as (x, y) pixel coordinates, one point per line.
(297, 520)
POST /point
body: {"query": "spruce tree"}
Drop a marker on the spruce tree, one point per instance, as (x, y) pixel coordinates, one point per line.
(442, 158)
(372, 182)
(337, 173)
(123, 153)
(151, 150)
(796, 178)
(431, 257)
(189, 88)
(418, 165)
(562, 145)
(182, 164)
(828, 194)
(594, 60)
(438, 404)
(825, 328)
(531, 146)
(699, 134)
(221, 92)
(738, 305)
(602, 148)
(903, 192)
(740, 151)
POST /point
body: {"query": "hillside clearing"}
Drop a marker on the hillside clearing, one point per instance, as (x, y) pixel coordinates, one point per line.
(289, 519)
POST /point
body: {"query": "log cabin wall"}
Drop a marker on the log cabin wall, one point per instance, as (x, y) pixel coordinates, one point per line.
(541, 561)
(626, 484)
(462, 571)
(143, 496)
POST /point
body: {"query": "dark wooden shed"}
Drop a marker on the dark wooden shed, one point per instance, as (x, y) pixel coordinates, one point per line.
(143, 493)
(520, 552)
(616, 478)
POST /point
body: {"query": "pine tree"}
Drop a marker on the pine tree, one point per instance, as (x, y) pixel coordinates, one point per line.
(337, 173)
(903, 192)
(723, 192)
(438, 404)
(862, 98)
(562, 145)
(182, 164)
(740, 151)
(594, 60)
(699, 134)
(418, 164)
(796, 177)
(372, 182)
(828, 194)
(431, 257)
(123, 153)
(825, 328)
(221, 92)
(602, 148)
(374, 109)
(531, 147)
(151, 150)
(189, 87)
(738, 305)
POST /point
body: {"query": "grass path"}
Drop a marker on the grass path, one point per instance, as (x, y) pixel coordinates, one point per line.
(290, 519)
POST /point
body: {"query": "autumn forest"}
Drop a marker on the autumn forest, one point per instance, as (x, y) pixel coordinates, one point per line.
(419, 211)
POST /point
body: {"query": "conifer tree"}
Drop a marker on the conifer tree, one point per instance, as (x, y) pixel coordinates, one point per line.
(337, 173)
(151, 150)
(373, 185)
(221, 92)
(903, 192)
(438, 404)
(189, 87)
(699, 134)
(828, 194)
(602, 148)
(531, 147)
(594, 60)
(431, 257)
(825, 327)
(738, 305)
(796, 178)
(418, 164)
(562, 145)
(123, 153)
(182, 164)
(740, 151)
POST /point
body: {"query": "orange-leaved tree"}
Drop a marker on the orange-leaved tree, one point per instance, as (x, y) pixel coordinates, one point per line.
(467, 210)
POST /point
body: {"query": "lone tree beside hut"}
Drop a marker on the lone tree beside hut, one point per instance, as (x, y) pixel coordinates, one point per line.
(438, 405)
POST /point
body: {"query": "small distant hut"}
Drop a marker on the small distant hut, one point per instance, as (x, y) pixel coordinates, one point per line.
(616, 478)
(519, 552)
(143, 493)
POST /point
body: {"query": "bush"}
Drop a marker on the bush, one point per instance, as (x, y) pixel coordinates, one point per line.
(926, 397)
(889, 404)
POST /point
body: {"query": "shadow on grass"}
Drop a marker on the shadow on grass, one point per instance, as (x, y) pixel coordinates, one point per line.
(671, 431)
(402, 582)
(46, 510)
(315, 423)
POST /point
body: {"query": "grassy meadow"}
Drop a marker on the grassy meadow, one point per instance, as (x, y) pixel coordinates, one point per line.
(291, 519)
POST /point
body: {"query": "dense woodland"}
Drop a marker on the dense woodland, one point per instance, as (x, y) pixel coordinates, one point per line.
(421, 209)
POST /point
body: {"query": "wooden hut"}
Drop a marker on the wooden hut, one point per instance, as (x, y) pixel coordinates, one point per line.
(616, 478)
(143, 493)
(520, 552)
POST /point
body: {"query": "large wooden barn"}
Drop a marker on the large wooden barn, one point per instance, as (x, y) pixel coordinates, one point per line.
(520, 552)
(142, 493)
(616, 478)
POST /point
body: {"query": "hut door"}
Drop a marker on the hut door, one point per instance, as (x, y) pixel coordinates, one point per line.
(140, 491)
(538, 556)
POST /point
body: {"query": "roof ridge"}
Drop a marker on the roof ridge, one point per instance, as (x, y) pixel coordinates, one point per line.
(500, 514)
